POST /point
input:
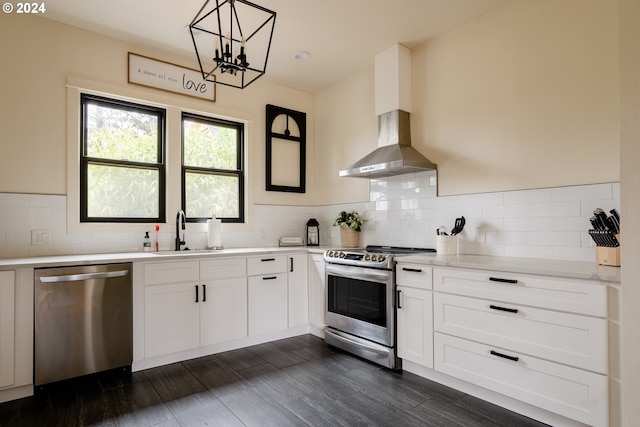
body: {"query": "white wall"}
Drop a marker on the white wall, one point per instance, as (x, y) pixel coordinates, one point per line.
(40, 56)
(523, 97)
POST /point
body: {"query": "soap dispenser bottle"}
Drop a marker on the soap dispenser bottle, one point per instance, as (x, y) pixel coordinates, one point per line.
(146, 246)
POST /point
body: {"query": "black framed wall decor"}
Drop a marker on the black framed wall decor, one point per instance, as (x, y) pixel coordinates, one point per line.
(286, 138)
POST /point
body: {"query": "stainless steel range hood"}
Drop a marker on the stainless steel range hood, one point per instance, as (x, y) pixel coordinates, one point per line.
(394, 155)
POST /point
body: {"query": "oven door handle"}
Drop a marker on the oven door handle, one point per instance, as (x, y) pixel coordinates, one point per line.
(353, 272)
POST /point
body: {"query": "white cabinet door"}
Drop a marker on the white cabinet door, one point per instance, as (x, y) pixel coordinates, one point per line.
(574, 393)
(415, 326)
(317, 297)
(7, 327)
(298, 290)
(223, 310)
(268, 303)
(171, 318)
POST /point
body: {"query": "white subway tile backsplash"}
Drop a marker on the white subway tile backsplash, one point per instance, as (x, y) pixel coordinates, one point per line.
(582, 192)
(402, 211)
(528, 224)
(554, 238)
(527, 251)
(541, 195)
(549, 210)
(504, 211)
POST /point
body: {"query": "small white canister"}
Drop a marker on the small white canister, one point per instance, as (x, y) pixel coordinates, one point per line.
(447, 245)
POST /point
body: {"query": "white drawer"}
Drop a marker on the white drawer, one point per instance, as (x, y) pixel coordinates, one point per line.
(266, 264)
(574, 393)
(171, 272)
(541, 291)
(414, 275)
(223, 268)
(571, 339)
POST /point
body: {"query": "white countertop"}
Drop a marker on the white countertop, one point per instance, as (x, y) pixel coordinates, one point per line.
(547, 267)
(62, 260)
(570, 269)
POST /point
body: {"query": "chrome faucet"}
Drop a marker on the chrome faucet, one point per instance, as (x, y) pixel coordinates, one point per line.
(180, 219)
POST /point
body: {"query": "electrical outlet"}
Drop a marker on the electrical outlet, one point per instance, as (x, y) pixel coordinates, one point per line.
(40, 237)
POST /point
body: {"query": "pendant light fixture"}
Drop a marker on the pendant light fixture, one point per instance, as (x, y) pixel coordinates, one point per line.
(232, 39)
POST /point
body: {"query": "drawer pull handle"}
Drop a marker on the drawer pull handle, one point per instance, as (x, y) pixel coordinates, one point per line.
(504, 356)
(501, 280)
(270, 278)
(267, 259)
(413, 270)
(497, 307)
(398, 298)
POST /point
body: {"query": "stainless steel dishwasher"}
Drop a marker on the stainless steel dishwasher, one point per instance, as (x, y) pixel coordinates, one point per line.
(83, 321)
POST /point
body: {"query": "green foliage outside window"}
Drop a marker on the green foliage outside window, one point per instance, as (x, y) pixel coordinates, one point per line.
(212, 168)
(122, 162)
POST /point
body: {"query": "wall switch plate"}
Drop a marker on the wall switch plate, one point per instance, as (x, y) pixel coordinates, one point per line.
(40, 237)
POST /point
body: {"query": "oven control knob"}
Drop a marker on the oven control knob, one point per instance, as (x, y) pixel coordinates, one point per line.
(381, 258)
(341, 254)
(367, 257)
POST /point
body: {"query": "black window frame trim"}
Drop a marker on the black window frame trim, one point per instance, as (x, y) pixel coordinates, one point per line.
(87, 99)
(239, 173)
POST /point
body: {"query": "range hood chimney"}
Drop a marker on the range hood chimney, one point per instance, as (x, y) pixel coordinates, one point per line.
(394, 155)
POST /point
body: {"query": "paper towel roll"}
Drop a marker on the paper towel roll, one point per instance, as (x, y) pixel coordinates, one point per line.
(214, 233)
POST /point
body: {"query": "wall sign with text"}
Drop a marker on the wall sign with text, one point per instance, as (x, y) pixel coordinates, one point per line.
(166, 76)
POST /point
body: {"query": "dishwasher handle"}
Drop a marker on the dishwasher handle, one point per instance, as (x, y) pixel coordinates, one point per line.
(84, 276)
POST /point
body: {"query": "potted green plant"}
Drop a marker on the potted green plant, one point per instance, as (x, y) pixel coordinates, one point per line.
(350, 225)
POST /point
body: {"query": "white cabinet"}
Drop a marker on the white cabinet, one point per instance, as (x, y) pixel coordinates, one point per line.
(415, 326)
(540, 339)
(223, 309)
(7, 328)
(190, 304)
(16, 334)
(267, 294)
(298, 290)
(414, 313)
(172, 318)
(268, 303)
(317, 296)
(223, 314)
(567, 338)
(572, 392)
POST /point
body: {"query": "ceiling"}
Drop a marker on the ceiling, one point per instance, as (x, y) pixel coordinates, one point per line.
(343, 36)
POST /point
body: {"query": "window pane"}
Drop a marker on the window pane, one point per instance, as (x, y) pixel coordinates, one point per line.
(121, 134)
(210, 146)
(208, 195)
(121, 192)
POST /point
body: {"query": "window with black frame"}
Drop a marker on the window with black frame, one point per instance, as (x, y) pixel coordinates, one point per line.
(122, 161)
(212, 169)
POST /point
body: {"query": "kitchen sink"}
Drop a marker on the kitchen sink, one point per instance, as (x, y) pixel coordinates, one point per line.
(186, 252)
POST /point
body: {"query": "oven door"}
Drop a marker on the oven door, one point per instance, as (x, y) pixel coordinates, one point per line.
(360, 302)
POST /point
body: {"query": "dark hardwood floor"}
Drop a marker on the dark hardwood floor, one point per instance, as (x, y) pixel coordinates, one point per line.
(292, 382)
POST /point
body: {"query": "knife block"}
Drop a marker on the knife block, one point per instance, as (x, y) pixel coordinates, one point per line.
(608, 256)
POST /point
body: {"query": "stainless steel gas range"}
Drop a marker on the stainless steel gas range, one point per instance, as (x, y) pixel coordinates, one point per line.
(360, 311)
